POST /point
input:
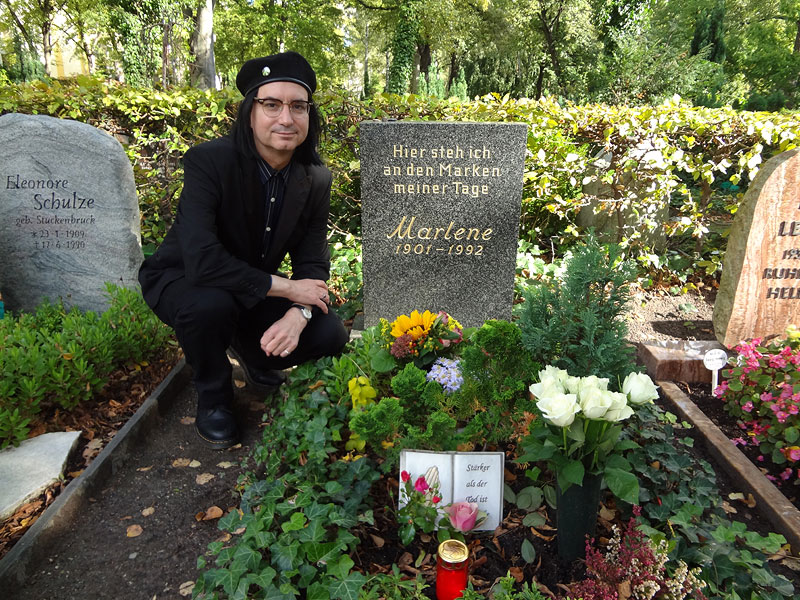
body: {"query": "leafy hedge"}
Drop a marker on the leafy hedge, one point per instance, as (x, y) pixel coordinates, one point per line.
(673, 155)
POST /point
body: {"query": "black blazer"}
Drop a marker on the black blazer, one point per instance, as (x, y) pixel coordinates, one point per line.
(216, 238)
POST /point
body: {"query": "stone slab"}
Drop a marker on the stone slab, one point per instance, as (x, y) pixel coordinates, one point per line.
(759, 293)
(676, 360)
(30, 468)
(440, 213)
(781, 513)
(69, 215)
(15, 566)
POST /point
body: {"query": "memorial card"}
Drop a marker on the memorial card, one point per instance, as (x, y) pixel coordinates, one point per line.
(463, 477)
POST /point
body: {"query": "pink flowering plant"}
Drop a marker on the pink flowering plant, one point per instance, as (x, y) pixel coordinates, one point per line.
(419, 505)
(421, 510)
(635, 567)
(762, 391)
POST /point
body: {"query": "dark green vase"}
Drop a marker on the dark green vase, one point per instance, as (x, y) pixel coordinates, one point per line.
(576, 516)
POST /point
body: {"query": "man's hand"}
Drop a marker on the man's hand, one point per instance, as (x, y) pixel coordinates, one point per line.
(311, 292)
(283, 335)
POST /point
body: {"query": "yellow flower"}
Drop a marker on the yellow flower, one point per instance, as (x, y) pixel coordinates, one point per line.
(415, 324)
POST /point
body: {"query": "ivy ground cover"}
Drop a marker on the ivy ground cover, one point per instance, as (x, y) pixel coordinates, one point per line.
(318, 520)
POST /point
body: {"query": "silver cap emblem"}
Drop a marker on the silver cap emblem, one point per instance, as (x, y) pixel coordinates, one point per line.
(265, 71)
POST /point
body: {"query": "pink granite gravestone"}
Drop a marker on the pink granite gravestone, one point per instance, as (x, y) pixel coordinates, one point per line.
(759, 293)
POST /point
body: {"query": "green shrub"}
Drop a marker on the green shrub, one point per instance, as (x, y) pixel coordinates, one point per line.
(577, 325)
(497, 370)
(55, 357)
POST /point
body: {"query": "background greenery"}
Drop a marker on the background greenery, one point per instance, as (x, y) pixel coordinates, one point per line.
(676, 172)
(714, 52)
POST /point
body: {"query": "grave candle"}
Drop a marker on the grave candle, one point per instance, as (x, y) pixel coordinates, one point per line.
(452, 566)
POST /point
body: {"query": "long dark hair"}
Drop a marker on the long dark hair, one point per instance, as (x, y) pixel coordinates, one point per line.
(242, 134)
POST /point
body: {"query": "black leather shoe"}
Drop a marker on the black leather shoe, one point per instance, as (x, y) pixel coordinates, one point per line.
(217, 427)
(262, 380)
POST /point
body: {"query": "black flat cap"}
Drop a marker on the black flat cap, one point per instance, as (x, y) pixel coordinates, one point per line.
(286, 66)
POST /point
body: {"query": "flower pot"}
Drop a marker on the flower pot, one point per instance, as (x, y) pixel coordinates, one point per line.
(576, 516)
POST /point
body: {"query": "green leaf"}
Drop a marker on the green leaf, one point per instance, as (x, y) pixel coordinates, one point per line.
(407, 533)
(572, 472)
(295, 523)
(317, 591)
(508, 493)
(527, 551)
(247, 557)
(348, 588)
(315, 532)
(333, 487)
(529, 498)
(341, 567)
(264, 577)
(322, 553)
(533, 519)
(791, 434)
(382, 361)
(285, 555)
(623, 484)
(615, 461)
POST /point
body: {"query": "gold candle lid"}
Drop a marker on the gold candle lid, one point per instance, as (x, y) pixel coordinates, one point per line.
(453, 551)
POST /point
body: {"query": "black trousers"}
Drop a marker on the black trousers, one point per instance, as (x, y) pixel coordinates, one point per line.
(208, 320)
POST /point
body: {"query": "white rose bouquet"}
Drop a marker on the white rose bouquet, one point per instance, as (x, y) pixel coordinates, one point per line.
(580, 426)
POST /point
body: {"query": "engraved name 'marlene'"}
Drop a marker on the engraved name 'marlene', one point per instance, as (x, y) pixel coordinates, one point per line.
(406, 231)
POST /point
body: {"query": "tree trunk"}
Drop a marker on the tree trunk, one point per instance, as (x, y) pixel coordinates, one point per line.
(204, 72)
(47, 47)
(550, 31)
(165, 34)
(424, 51)
(83, 44)
(453, 71)
(365, 93)
(540, 81)
(25, 34)
(796, 49)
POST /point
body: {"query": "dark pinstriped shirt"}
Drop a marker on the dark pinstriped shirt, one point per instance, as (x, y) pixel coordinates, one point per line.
(274, 186)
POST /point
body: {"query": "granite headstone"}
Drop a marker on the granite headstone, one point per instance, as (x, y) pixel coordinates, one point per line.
(69, 216)
(759, 293)
(440, 214)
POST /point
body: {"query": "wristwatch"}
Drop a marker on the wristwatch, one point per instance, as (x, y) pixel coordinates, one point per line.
(303, 310)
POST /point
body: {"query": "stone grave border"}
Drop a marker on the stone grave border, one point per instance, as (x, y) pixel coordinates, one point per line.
(772, 504)
(58, 516)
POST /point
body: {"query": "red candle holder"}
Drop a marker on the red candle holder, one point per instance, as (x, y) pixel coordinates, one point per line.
(452, 569)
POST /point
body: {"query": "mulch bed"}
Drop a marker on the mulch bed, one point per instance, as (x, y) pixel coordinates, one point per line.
(98, 420)
(494, 554)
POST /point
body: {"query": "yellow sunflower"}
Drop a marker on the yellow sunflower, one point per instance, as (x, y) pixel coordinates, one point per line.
(416, 325)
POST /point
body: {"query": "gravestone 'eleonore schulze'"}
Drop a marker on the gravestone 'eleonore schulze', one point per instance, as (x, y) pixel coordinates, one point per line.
(759, 293)
(69, 216)
(440, 216)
